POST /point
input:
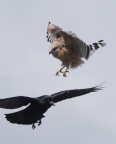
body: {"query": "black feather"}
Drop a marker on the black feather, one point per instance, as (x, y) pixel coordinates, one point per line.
(38, 106)
(67, 94)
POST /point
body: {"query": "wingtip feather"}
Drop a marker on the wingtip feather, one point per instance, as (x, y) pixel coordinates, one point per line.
(49, 23)
(100, 87)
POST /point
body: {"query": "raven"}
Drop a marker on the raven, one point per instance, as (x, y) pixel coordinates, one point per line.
(39, 105)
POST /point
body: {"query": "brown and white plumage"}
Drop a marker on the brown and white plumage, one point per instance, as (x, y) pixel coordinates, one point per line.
(68, 48)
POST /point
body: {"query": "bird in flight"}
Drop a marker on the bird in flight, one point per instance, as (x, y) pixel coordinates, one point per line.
(33, 113)
(68, 48)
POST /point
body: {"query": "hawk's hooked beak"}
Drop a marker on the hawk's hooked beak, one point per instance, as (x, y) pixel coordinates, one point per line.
(52, 103)
(50, 52)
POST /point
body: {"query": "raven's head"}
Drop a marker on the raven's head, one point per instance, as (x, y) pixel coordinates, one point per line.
(47, 100)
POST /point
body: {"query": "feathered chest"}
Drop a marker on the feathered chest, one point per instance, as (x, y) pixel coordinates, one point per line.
(67, 54)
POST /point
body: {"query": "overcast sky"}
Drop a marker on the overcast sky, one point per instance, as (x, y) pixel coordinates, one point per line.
(27, 69)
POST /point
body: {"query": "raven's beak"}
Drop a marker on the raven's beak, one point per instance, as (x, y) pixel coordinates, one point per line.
(52, 103)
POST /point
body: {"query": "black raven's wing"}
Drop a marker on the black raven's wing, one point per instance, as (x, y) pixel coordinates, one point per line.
(15, 102)
(67, 94)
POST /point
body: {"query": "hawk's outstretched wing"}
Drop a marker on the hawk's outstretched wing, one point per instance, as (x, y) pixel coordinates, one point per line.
(52, 32)
(70, 39)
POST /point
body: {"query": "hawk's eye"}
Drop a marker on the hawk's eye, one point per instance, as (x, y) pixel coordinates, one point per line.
(54, 48)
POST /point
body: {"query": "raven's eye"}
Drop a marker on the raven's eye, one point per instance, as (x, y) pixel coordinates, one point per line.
(50, 99)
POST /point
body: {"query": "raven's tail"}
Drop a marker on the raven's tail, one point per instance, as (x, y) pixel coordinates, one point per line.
(18, 117)
(93, 47)
(23, 117)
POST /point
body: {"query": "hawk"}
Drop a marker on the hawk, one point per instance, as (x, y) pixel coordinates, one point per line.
(33, 113)
(68, 48)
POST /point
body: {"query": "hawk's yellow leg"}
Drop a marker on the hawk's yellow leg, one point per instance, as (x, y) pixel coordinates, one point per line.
(59, 71)
(64, 72)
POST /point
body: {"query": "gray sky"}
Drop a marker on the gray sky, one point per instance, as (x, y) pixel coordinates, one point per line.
(27, 69)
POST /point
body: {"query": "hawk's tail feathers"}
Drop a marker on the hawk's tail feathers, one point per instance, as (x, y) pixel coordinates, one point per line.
(93, 47)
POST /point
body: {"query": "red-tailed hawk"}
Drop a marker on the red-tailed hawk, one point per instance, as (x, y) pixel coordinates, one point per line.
(68, 48)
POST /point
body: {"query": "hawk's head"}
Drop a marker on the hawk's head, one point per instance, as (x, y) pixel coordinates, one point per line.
(55, 48)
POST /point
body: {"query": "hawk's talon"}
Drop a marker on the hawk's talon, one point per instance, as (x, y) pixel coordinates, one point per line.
(64, 73)
(57, 74)
(59, 71)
